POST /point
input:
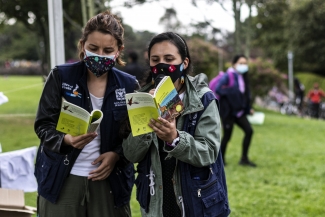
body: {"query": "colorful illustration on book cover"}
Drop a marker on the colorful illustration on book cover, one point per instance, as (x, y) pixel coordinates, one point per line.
(171, 106)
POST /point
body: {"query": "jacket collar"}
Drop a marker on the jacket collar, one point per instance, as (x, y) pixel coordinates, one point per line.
(192, 102)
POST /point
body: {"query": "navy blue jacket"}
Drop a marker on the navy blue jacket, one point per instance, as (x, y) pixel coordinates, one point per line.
(54, 160)
(231, 99)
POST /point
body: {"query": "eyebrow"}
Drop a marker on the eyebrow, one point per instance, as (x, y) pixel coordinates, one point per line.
(104, 47)
(167, 55)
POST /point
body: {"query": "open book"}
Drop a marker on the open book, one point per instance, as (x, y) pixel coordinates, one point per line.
(76, 121)
(141, 107)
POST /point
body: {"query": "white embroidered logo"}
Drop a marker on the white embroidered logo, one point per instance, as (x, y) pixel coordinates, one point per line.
(120, 94)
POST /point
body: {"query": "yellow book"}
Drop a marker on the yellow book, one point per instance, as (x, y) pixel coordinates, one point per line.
(141, 107)
(76, 121)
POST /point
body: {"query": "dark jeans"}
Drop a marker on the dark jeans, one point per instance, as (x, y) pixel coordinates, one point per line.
(228, 125)
(314, 107)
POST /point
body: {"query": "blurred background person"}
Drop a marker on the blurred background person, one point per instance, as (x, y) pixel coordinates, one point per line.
(315, 97)
(235, 104)
(299, 90)
(133, 67)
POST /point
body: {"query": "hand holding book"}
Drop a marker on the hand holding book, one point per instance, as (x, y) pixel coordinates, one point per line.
(142, 107)
(75, 120)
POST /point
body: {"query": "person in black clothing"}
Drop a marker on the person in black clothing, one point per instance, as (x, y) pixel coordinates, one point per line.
(299, 90)
(133, 67)
(235, 104)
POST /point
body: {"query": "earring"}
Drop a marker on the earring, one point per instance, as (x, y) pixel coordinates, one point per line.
(152, 81)
(182, 79)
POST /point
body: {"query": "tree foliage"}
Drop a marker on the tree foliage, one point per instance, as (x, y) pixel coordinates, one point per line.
(34, 15)
(307, 33)
(18, 42)
(204, 57)
(292, 25)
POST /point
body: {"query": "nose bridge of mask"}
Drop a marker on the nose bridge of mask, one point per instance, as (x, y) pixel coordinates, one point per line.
(89, 54)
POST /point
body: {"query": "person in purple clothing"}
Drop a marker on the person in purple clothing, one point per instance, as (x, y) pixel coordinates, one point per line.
(235, 104)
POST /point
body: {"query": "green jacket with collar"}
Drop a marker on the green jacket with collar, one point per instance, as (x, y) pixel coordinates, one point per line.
(200, 150)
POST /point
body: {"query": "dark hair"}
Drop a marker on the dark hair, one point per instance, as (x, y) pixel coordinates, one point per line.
(237, 57)
(133, 56)
(106, 23)
(176, 40)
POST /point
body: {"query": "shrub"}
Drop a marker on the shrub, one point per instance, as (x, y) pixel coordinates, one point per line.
(204, 57)
(263, 76)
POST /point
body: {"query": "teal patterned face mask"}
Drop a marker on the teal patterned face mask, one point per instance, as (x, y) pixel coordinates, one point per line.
(98, 64)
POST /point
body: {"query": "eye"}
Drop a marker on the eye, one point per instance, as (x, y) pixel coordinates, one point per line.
(154, 59)
(108, 51)
(93, 49)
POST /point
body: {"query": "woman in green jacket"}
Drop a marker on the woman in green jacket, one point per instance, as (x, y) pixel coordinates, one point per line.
(163, 150)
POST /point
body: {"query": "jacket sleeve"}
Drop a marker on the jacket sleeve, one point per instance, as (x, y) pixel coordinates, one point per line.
(135, 148)
(203, 148)
(48, 114)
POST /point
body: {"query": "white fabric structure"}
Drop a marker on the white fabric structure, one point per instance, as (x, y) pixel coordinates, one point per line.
(3, 98)
(17, 169)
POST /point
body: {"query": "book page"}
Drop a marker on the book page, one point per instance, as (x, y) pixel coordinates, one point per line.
(96, 118)
(141, 108)
(167, 99)
(73, 119)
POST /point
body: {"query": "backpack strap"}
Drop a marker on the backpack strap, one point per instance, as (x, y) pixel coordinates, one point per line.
(231, 79)
(190, 121)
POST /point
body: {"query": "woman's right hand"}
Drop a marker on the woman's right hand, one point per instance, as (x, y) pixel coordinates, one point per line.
(79, 142)
(152, 91)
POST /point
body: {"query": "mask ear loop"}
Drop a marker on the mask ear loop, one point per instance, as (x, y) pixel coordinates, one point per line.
(116, 55)
(85, 54)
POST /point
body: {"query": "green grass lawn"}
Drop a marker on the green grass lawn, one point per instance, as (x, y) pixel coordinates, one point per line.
(289, 151)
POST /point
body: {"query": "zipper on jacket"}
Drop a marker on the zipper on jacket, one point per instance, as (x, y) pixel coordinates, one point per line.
(181, 206)
(180, 199)
(66, 160)
(208, 186)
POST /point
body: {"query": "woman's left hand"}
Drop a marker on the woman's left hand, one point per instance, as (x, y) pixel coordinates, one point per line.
(165, 130)
(107, 162)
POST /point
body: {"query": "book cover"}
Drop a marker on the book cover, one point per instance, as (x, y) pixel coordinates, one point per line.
(76, 121)
(141, 107)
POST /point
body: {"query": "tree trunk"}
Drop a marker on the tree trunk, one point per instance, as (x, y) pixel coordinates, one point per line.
(236, 9)
(84, 12)
(248, 29)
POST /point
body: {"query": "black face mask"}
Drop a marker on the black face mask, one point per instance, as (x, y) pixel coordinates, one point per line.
(174, 71)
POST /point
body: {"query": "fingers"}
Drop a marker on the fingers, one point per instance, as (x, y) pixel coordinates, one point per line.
(107, 162)
(101, 173)
(81, 141)
(152, 91)
(99, 159)
(161, 123)
(165, 130)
